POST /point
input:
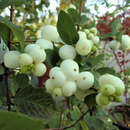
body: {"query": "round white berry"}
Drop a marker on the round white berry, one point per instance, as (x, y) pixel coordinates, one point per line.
(29, 47)
(72, 6)
(70, 69)
(49, 86)
(67, 52)
(50, 33)
(44, 44)
(85, 80)
(11, 59)
(58, 78)
(54, 70)
(114, 45)
(96, 40)
(38, 55)
(82, 35)
(93, 30)
(125, 42)
(90, 36)
(69, 88)
(40, 69)
(86, 31)
(113, 80)
(25, 59)
(83, 47)
(57, 92)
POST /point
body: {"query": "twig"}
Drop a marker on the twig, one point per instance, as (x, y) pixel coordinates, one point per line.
(24, 41)
(62, 111)
(81, 6)
(81, 117)
(11, 34)
(117, 60)
(69, 103)
(7, 90)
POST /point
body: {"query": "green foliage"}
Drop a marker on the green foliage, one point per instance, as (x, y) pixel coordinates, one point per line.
(6, 3)
(4, 34)
(52, 56)
(100, 120)
(33, 101)
(66, 28)
(15, 121)
(105, 70)
(2, 70)
(18, 32)
(74, 15)
(90, 100)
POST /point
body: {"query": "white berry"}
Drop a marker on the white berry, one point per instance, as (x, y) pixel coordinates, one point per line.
(49, 86)
(44, 44)
(57, 92)
(69, 88)
(67, 52)
(29, 47)
(58, 78)
(114, 45)
(38, 55)
(25, 59)
(50, 33)
(125, 42)
(83, 47)
(96, 40)
(70, 69)
(85, 80)
(11, 59)
(40, 69)
(82, 35)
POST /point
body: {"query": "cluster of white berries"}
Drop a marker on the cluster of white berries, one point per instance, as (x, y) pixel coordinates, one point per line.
(111, 88)
(66, 80)
(124, 44)
(83, 47)
(34, 54)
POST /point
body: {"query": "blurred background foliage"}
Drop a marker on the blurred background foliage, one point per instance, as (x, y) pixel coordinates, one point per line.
(35, 13)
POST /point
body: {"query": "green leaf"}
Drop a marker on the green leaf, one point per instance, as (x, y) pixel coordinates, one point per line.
(74, 15)
(4, 33)
(2, 90)
(95, 61)
(84, 125)
(75, 113)
(18, 32)
(17, 121)
(105, 70)
(6, 3)
(96, 77)
(2, 70)
(52, 56)
(34, 101)
(115, 26)
(90, 100)
(66, 28)
(119, 117)
(22, 80)
(54, 120)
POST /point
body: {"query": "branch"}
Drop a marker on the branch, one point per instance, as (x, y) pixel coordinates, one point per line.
(81, 6)
(7, 90)
(62, 111)
(11, 34)
(117, 60)
(77, 121)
